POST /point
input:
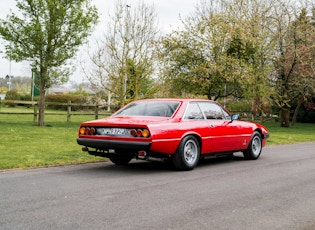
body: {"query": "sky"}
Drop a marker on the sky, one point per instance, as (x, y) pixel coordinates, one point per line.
(169, 13)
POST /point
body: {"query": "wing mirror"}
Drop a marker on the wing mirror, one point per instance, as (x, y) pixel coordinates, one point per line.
(234, 117)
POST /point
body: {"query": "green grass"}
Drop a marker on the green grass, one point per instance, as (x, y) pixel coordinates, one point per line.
(300, 132)
(23, 144)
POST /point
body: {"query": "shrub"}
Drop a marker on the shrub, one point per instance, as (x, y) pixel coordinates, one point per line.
(65, 98)
(307, 113)
(12, 95)
(25, 97)
(238, 106)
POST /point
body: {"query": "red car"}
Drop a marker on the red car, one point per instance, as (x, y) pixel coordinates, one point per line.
(180, 130)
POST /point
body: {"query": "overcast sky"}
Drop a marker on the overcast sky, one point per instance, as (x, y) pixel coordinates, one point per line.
(169, 13)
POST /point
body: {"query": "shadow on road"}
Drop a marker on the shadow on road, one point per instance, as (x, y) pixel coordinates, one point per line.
(139, 166)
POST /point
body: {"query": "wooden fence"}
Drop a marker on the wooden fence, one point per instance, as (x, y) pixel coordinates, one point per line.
(93, 107)
(245, 115)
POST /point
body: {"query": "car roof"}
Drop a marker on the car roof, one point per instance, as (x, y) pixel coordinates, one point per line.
(175, 99)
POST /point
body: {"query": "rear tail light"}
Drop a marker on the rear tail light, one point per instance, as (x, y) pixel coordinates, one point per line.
(82, 131)
(139, 133)
(92, 131)
(145, 133)
(87, 131)
(133, 133)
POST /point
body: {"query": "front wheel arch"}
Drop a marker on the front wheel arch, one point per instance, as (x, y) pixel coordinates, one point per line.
(254, 148)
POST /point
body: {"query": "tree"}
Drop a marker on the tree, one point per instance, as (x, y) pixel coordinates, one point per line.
(123, 64)
(138, 85)
(48, 33)
(294, 64)
(305, 69)
(221, 52)
(195, 59)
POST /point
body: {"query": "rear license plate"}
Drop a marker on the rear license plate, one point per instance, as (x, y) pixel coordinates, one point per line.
(111, 131)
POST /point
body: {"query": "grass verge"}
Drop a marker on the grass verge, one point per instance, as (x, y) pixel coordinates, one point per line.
(23, 144)
(299, 132)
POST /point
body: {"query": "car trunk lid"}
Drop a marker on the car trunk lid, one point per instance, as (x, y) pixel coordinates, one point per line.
(127, 121)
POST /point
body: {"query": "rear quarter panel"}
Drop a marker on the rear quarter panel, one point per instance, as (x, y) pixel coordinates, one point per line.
(167, 137)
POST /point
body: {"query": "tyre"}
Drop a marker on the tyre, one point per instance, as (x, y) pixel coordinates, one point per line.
(120, 160)
(187, 155)
(254, 148)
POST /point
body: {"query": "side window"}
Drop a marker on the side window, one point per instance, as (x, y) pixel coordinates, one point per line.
(212, 110)
(227, 115)
(193, 112)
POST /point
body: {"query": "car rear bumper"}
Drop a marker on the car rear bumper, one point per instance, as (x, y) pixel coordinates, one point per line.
(113, 144)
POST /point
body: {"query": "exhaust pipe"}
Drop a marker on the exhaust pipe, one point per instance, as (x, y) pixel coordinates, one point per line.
(142, 155)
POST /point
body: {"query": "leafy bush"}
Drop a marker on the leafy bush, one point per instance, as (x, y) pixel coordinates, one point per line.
(307, 113)
(65, 98)
(25, 97)
(12, 95)
(238, 106)
(3, 90)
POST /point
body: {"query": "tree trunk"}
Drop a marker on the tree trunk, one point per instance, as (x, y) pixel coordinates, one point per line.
(301, 100)
(285, 117)
(296, 111)
(123, 89)
(41, 105)
(109, 101)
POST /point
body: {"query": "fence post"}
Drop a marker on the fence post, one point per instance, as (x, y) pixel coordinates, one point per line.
(69, 111)
(96, 112)
(35, 113)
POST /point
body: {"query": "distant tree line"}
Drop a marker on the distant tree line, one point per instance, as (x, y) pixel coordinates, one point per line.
(19, 84)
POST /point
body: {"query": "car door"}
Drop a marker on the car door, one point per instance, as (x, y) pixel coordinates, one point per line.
(225, 136)
(194, 121)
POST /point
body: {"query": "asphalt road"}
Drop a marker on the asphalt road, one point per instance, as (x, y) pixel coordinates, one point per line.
(275, 192)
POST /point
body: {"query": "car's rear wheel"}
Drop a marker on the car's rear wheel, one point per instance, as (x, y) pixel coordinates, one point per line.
(187, 155)
(120, 160)
(254, 148)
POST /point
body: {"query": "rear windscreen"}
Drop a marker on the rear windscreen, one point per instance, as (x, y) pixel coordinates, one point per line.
(145, 108)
